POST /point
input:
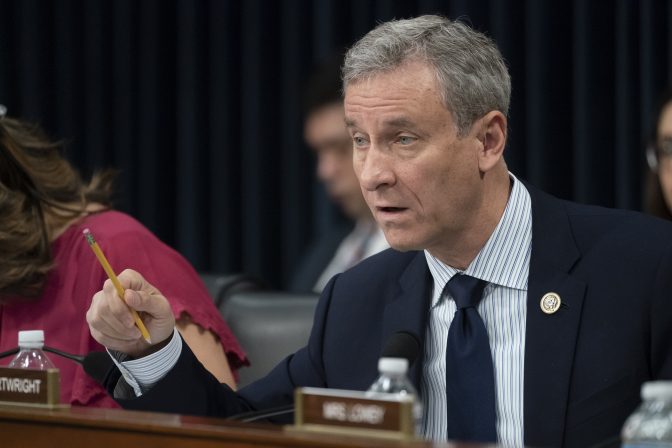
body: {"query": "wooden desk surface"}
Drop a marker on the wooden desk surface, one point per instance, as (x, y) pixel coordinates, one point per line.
(80, 427)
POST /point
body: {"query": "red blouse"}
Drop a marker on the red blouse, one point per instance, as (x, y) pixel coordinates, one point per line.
(77, 276)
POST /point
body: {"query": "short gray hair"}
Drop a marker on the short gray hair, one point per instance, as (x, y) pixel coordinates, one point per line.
(470, 71)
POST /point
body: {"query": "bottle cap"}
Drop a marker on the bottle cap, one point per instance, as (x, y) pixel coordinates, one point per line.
(31, 339)
(657, 390)
(393, 365)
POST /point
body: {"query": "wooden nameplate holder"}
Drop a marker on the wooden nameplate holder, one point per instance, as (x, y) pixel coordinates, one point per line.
(22, 387)
(354, 413)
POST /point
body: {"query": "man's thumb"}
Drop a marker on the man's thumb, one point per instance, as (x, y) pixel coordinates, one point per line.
(140, 301)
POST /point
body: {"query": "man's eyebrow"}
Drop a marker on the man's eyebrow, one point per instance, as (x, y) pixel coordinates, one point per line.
(399, 122)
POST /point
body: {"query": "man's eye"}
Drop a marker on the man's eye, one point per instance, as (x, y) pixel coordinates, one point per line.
(665, 147)
(406, 140)
(359, 141)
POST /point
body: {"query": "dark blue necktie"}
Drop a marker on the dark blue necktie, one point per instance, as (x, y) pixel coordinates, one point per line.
(470, 379)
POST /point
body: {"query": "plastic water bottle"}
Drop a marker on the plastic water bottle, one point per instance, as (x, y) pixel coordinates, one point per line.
(393, 379)
(651, 424)
(30, 354)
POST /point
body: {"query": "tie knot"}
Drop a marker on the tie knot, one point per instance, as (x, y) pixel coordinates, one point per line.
(466, 290)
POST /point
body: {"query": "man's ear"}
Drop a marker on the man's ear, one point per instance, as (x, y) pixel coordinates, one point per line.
(492, 133)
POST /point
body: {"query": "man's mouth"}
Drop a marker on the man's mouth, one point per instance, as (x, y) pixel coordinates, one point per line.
(391, 209)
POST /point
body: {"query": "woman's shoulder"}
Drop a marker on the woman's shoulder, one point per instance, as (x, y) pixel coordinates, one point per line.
(111, 223)
(112, 220)
(106, 226)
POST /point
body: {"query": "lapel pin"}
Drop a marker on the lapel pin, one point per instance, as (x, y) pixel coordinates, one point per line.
(550, 302)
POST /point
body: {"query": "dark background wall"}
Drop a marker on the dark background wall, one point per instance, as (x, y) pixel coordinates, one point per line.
(198, 104)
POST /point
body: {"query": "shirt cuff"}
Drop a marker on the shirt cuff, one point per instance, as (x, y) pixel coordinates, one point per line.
(142, 373)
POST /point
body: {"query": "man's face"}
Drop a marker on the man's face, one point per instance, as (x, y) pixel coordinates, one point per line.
(326, 135)
(665, 160)
(421, 181)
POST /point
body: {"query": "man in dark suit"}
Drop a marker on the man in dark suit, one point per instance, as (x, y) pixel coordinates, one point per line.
(566, 306)
(343, 244)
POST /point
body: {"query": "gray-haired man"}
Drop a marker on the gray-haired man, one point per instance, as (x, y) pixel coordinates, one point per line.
(539, 318)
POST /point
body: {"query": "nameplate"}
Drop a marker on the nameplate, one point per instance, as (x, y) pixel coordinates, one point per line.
(30, 387)
(352, 412)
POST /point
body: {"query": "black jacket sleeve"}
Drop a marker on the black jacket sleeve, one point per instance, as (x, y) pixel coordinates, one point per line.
(188, 388)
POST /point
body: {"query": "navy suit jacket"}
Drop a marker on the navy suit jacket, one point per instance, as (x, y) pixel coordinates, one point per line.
(318, 257)
(584, 364)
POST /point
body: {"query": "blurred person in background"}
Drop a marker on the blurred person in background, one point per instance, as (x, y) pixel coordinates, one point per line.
(344, 244)
(48, 274)
(658, 188)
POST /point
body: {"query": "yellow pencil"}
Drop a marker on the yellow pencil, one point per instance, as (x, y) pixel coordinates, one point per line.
(115, 281)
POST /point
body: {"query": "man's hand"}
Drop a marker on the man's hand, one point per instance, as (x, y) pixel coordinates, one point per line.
(111, 322)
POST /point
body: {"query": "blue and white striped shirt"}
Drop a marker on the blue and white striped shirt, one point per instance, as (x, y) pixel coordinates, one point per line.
(142, 373)
(504, 262)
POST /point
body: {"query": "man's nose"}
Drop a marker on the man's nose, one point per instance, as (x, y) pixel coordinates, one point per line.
(376, 170)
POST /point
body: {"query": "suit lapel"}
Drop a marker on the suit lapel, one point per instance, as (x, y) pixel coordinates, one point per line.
(550, 339)
(408, 309)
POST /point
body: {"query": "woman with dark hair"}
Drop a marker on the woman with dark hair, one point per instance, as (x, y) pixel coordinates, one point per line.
(658, 188)
(48, 274)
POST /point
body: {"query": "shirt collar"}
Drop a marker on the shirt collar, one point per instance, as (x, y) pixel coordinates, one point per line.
(505, 258)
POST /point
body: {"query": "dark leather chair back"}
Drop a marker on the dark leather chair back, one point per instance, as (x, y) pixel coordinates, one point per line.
(223, 286)
(269, 326)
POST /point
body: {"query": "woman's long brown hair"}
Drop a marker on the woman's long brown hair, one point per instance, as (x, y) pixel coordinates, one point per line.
(35, 180)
